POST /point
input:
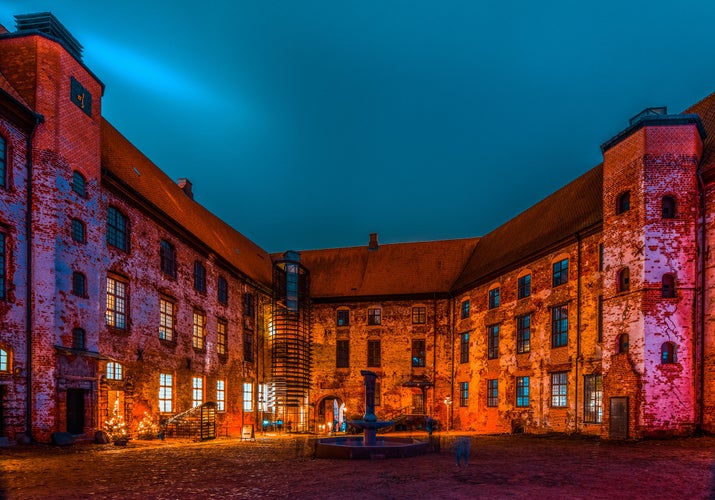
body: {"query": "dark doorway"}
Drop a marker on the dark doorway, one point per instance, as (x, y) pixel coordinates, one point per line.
(618, 426)
(418, 404)
(75, 411)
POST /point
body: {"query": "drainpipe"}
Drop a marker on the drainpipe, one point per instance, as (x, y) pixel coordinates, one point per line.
(434, 353)
(29, 309)
(578, 323)
(450, 411)
(703, 283)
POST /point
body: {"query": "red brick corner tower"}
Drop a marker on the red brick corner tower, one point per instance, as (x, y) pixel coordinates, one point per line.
(44, 63)
(650, 204)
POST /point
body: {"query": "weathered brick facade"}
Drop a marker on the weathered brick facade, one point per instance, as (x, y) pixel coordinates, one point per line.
(592, 312)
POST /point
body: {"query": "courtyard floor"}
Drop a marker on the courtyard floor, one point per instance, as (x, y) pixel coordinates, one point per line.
(283, 467)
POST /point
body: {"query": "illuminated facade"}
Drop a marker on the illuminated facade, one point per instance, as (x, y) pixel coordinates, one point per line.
(593, 311)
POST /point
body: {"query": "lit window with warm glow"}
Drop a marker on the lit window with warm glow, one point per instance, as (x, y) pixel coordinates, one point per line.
(220, 395)
(166, 319)
(221, 327)
(199, 329)
(247, 396)
(166, 393)
(197, 391)
(116, 314)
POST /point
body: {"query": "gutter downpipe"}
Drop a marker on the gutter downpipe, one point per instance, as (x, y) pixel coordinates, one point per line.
(578, 326)
(703, 283)
(29, 308)
(451, 370)
(434, 353)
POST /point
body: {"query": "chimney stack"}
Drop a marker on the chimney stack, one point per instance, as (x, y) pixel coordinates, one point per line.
(185, 185)
(373, 242)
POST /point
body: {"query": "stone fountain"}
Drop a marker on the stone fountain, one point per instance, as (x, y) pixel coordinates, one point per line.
(369, 446)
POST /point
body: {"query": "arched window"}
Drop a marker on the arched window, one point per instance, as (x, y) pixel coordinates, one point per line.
(624, 203)
(624, 280)
(78, 341)
(79, 284)
(623, 343)
(667, 353)
(79, 184)
(114, 371)
(667, 290)
(668, 207)
(4, 361)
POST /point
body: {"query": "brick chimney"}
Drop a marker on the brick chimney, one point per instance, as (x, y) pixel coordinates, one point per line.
(373, 245)
(185, 185)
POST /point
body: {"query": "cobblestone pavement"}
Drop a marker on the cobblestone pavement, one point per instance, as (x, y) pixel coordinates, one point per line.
(282, 467)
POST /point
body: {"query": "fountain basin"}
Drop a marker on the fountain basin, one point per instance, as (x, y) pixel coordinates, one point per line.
(354, 447)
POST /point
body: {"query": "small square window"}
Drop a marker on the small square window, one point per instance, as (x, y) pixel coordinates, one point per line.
(419, 315)
(374, 316)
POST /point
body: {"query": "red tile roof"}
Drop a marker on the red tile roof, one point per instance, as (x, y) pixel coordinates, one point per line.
(121, 159)
(392, 269)
(574, 208)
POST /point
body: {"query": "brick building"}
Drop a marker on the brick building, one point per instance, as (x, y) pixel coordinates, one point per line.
(593, 311)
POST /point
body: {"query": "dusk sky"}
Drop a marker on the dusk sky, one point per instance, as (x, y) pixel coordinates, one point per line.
(310, 124)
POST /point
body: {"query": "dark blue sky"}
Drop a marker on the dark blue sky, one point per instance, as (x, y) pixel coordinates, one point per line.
(309, 124)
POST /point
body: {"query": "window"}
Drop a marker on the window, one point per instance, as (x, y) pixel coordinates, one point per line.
(79, 284)
(199, 277)
(374, 316)
(592, 399)
(220, 395)
(373, 353)
(559, 383)
(114, 371)
(624, 280)
(199, 329)
(78, 231)
(247, 396)
(222, 290)
(166, 392)
(559, 326)
(419, 353)
(3, 162)
(166, 319)
(463, 393)
(623, 343)
(464, 348)
(493, 342)
(197, 391)
(522, 391)
(667, 290)
(524, 286)
(116, 314)
(667, 353)
(117, 229)
(492, 392)
(167, 254)
(343, 318)
(668, 207)
(465, 309)
(601, 253)
(248, 346)
(419, 315)
(523, 334)
(221, 329)
(493, 298)
(600, 318)
(624, 203)
(248, 308)
(2, 266)
(78, 338)
(79, 184)
(561, 272)
(4, 361)
(342, 354)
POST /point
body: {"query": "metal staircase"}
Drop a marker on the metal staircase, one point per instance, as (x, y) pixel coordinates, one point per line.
(198, 423)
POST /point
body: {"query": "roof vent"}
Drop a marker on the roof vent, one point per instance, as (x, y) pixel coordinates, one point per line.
(46, 23)
(373, 245)
(186, 187)
(659, 111)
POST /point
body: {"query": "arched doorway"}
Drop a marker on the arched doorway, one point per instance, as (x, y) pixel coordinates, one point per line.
(331, 415)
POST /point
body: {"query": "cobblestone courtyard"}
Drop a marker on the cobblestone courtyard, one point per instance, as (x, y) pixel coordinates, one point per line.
(282, 467)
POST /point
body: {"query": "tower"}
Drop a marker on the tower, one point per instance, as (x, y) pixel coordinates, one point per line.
(650, 227)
